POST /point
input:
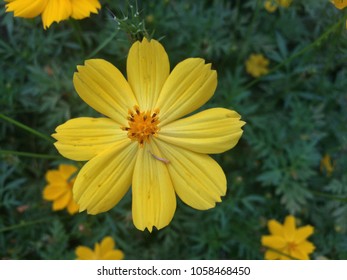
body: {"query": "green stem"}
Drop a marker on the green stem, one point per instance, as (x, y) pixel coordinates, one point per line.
(26, 128)
(24, 224)
(103, 44)
(299, 53)
(25, 154)
(280, 253)
(330, 196)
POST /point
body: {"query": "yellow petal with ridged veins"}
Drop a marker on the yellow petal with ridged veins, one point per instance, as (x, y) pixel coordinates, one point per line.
(26, 8)
(189, 86)
(147, 69)
(104, 180)
(56, 11)
(198, 180)
(103, 87)
(82, 9)
(83, 138)
(154, 199)
(211, 131)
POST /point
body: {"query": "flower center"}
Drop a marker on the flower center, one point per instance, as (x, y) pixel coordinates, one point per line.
(291, 246)
(142, 125)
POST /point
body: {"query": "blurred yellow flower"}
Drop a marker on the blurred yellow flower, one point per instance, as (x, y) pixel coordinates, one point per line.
(59, 188)
(340, 4)
(286, 241)
(141, 142)
(270, 6)
(257, 65)
(326, 164)
(103, 251)
(52, 10)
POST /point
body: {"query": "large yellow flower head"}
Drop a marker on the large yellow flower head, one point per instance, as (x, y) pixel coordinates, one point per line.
(59, 188)
(257, 65)
(52, 10)
(103, 251)
(142, 141)
(286, 241)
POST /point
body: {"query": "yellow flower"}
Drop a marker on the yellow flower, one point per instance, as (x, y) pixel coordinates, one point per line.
(257, 65)
(142, 142)
(59, 188)
(103, 251)
(52, 10)
(340, 4)
(326, 165)
(286, 241)
(270, 6)
(284, 3)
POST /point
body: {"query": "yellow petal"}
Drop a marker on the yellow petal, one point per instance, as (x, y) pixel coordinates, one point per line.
(83, 138)
(104, 180)
(198, 180)
(107, 244)
(289, 228)
(103, 87)
(82, 9)
(154, 199)
(114, 255)
(54, 177)
(84, 253)
(271, 255)
(340, 4)
(62, 201)
(275, 228)
(274, 242)
(72, 207)
(26, 8)
(210, 131)
(56, 11)
(147, 69)
(188, 87)
(67, 171)
(52, 192)
(302, 233)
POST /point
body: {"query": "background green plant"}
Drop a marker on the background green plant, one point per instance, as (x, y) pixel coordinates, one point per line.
(295, 115)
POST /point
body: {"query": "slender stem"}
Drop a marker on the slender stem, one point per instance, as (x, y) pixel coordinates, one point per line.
(280, 253)
(24, 224)
(26, 128)
(26, 154)
(330, 196)
(103, 44)
(299, 53)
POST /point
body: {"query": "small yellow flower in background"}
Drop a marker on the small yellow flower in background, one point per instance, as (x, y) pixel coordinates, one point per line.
(257, 65)
(340, 4)
(103, 251)
(142, 141)
(284, 3)
(287, 241)
(270, 6)
(52, 10)
(326, 164)
(59, 188)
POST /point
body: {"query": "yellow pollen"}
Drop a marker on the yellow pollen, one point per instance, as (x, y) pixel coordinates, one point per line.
(142, 125)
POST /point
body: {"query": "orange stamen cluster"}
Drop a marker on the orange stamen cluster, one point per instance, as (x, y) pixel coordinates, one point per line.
(142, 125)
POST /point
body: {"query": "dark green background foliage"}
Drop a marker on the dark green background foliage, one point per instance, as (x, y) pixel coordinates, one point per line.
(295, 115)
